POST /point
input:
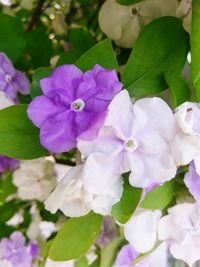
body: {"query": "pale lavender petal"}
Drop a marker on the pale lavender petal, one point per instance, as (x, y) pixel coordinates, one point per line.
(127, 255)
(192, 181)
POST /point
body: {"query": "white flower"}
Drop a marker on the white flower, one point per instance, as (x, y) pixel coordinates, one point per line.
(186, 145)
(141, 229)
(6, 2)
(181, 229)
(73, 199)
(126, 22)
(134, 138)
(50, 263)
(40, 230)
(5, 101)
(35, 179)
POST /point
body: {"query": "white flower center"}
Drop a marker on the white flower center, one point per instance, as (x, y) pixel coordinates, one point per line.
(130, 145)
(8, 78)
(78, 105)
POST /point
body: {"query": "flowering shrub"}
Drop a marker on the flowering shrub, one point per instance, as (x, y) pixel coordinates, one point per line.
(99, 133)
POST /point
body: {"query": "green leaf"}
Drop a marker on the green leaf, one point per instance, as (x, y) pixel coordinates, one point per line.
(159, 197)
(7, 210)
(37, 76)
(123, 210)
(12, 37)
(6, 230)
(128, 2)
(180, 91)
(39, 48)
(82, 262)
(75, 237)
(109, 253)
(195, 47)
(69, 57)
(81, 39)
(162, 46)
(6, 188)
(102, 53)
(19, 138)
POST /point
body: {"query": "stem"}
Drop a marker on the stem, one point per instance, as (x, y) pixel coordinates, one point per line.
(36, 15)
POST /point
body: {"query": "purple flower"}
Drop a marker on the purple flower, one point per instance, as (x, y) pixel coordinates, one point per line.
(74, 105)
(12, 81)
(15, 251)
(127, 255)
(192, 178)
(108, 232)
(7, 164)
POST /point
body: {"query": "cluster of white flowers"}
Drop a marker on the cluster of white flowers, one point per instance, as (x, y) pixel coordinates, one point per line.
(126, 22)
(150, 141)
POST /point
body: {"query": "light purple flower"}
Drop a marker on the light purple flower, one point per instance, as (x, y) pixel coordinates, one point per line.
(12, 81)
(7, 164)
(134, 138)
(127, 255)
(73, 105)
(15, 251)
(192, 178)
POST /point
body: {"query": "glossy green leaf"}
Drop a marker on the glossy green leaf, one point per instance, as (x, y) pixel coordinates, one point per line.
(159, 197)
(6, 188)
(7, 210)
(75, 237)
(108, 254)
(180, 91)
(81, 39)
(6, 230)
(12, 37)
(69, 57)
(102, 53)
(19, 138)
(37, 76)
(39, 48)
(162, 46)
(195, 47)
(123, 210)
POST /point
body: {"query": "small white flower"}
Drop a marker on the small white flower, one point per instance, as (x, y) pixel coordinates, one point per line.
(141, 229)
(181, 230)
(35, 179)
(126, 22)
(73, 198)
(186, 145)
